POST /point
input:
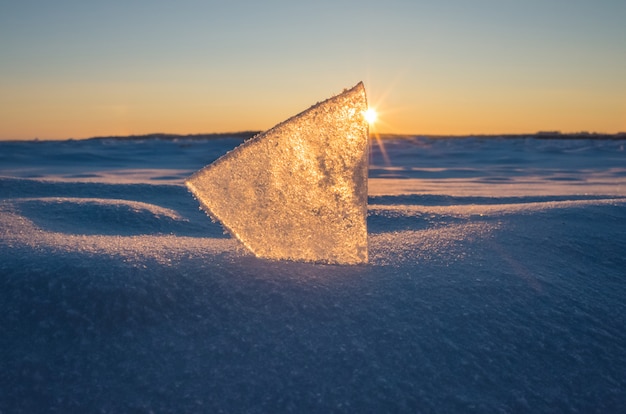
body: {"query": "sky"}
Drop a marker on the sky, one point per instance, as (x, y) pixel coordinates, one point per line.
(77, 69)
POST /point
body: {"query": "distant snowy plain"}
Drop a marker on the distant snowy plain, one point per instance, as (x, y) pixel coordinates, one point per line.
(496, 283)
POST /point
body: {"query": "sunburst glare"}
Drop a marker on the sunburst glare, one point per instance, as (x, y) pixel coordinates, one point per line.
(370, 115)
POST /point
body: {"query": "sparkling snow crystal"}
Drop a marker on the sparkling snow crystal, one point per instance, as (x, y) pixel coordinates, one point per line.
(299, 190)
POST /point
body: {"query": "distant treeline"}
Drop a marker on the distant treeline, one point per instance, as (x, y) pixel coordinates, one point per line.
(243, 135)
(574, 135)
(240, 135)
(536, 135)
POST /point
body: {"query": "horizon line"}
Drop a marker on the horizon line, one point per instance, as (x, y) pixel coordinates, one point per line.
(246, 134)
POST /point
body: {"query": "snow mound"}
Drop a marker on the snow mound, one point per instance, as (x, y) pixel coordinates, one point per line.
(98, 216)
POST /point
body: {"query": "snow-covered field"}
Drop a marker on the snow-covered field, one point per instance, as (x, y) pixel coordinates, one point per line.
(496, 283)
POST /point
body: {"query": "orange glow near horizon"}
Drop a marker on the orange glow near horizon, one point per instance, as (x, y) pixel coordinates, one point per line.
(83, 111)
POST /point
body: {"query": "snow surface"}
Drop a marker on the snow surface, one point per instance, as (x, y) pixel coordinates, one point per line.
(496, 283)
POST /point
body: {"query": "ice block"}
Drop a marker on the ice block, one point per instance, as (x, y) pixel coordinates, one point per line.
(299, 190)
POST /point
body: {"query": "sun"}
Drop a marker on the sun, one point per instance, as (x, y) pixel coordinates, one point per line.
(370, 115)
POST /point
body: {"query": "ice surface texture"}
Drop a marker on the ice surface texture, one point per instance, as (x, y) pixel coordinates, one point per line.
(299, 190)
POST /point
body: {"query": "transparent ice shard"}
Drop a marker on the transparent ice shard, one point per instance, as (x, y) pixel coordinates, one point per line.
(299, 190)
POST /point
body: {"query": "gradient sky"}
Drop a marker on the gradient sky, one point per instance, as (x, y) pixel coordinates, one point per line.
(75, 69)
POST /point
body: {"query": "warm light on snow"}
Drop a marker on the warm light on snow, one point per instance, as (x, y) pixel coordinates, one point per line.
(370, 115)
